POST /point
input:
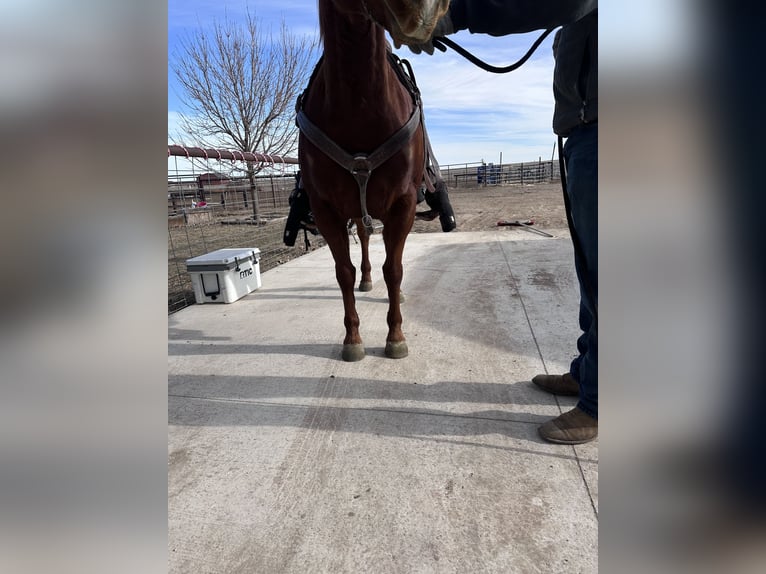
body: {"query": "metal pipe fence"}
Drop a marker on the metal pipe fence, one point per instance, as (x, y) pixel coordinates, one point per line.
(217, 200)
(483, 174)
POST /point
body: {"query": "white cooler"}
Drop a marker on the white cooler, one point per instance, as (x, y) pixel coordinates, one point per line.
(225, 275)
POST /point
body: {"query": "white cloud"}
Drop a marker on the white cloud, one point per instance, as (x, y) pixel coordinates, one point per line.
(472, 114)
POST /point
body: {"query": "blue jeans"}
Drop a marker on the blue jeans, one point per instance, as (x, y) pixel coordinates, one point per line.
(581, 156)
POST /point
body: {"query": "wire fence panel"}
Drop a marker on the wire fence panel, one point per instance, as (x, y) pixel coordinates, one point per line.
(221, 203)
(483, 174)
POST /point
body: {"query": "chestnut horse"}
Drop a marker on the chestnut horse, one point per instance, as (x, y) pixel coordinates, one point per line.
(362, 145)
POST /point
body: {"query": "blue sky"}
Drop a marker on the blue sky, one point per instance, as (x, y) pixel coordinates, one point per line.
(471, 115)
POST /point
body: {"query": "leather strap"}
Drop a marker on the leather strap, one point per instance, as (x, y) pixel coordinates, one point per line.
(360, 165)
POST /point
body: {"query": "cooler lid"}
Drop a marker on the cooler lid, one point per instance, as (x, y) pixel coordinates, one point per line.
(225, 257)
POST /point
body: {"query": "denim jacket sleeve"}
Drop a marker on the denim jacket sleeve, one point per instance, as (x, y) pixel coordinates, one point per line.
(501, 17)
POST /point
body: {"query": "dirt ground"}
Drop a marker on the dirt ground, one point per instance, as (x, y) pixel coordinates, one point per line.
(479, 209)
(476, 209)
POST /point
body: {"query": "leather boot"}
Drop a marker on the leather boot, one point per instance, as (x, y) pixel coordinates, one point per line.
(558, 384)
(572, 427)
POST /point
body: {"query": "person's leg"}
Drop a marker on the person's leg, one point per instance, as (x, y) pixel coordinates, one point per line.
(585, 321)
(581, 154)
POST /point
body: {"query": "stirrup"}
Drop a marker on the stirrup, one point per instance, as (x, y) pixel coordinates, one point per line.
(429, 215)
(440, 205)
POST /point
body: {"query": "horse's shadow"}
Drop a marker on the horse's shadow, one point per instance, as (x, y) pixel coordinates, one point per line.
(276, 295)
(323, 350)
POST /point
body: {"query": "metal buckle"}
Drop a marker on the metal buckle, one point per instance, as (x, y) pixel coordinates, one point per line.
(361, 165)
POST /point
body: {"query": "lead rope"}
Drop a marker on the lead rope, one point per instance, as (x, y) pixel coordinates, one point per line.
(441, 43)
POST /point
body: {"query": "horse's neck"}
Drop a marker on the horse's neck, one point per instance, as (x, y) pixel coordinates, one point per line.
(355, 59)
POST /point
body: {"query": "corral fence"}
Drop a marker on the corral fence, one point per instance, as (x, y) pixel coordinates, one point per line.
(222, 199)
(478, 174)
(229, 199)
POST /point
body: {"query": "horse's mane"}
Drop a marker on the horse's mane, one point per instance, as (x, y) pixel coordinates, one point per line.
(322, 21)
(342, 36)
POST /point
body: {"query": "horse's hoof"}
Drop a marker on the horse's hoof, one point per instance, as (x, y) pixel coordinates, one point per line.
(401, 297)
(352, 353)
(396, 350)
(365, 286)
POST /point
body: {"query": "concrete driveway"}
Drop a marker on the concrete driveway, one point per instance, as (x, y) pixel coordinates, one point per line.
(283, 458)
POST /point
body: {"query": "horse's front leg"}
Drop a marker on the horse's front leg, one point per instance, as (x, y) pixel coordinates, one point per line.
(365, 284)
(396, 227)
(335, 232)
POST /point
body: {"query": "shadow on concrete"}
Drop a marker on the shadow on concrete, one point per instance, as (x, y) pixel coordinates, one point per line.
(275, 295)
(192, 334)
(417, 424)
(323, 350)
(248, 388)
(254, 401)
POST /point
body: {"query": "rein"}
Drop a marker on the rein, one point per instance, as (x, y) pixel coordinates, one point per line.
(441, 43)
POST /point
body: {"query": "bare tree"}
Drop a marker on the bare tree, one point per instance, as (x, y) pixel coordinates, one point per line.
(240, 83)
